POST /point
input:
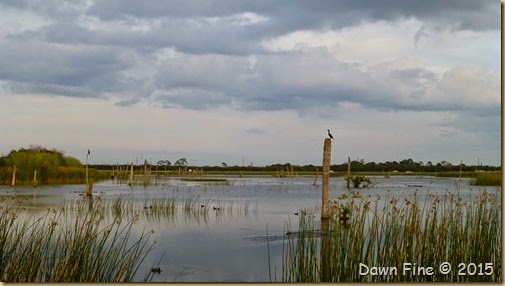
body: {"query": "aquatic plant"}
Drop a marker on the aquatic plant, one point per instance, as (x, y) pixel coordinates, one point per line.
(487, 179)
(386, 232)
(59, 248)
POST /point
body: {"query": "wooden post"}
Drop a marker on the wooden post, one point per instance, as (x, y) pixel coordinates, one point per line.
(34, 178)
(13, 182)
(325, 208)
(156, 175)
(89, 187)
(460, 165)
(145, 172)
(348, 172)
(315, 179)
(87, 171)
(131, 175)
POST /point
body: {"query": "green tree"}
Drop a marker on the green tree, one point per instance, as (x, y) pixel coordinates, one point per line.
(181, 162)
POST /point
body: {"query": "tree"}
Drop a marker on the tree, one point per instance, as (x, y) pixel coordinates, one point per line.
(164, 163)
(181, 162)
(224, 164)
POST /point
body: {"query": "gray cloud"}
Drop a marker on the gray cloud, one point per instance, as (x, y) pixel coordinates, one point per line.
(217, 59)
(296, 14)
(40, 67)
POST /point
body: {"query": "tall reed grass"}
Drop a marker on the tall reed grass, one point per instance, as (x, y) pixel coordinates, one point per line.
(166, 209)
(59, 248)
(386, 232)
(488, 179)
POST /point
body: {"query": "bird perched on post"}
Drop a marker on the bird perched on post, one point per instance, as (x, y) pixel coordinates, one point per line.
(329, 134)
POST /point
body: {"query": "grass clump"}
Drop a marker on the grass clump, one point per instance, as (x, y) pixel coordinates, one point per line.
(388, 232)
(81, 248)
(487, 179)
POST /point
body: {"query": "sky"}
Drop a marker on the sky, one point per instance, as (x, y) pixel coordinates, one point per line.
(252, 82)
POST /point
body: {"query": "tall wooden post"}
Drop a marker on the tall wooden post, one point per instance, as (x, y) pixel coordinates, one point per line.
(145, 172)
(460, 165)
(315, 179)
(130, 183)
(348, 172)
(34, 178)
(325, 209)
(13, 182)
(87, 171)
(89, 189)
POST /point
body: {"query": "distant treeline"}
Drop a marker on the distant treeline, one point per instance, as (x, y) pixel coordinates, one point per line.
(356, 166)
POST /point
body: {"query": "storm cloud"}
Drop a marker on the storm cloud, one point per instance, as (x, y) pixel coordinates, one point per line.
(306, 57)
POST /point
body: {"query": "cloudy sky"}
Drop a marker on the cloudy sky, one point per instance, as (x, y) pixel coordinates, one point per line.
(252, 81)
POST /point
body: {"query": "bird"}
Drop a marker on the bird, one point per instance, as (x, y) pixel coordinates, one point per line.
(89, 152)
(329, 134)
(158, 270)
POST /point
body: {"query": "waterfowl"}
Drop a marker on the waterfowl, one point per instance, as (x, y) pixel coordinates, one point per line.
(329, 134)
(156, 270)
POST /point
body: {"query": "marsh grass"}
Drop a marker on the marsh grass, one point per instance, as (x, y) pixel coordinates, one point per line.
(166, 209)
(387, 232)
(487, 179)
(56, 247)
(50, 176)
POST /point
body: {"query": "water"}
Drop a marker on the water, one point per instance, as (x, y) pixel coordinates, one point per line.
(229, 244)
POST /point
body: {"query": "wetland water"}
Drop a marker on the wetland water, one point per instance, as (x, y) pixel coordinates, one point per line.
(222, 235)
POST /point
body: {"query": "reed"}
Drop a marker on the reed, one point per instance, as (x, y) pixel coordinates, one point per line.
(59, 248)
(487, 179)
(167, 209)
(386, 232)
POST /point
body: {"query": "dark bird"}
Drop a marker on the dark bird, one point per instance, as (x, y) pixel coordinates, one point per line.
(156, 270)
(329, 134)
(89, 152)
(296, 213)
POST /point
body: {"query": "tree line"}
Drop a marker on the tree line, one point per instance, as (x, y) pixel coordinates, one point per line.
(356, 166)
